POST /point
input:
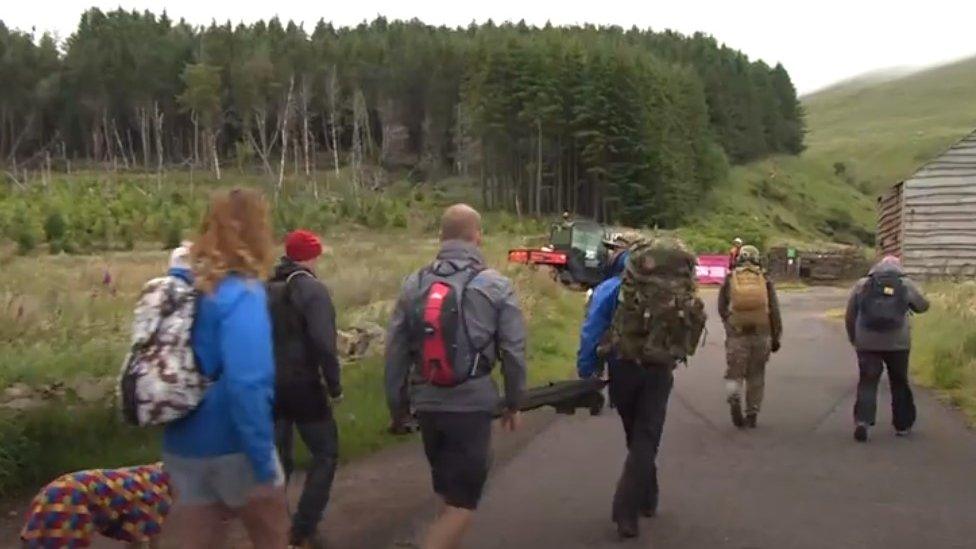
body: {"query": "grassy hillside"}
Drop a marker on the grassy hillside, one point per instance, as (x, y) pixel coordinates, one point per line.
(883, 132)
(863, 135)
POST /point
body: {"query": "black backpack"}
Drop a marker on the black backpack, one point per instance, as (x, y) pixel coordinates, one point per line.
(443, 351)
(884, 302)
(286, 321)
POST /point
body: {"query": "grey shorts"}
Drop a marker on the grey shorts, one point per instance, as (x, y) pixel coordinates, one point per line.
(226, 480)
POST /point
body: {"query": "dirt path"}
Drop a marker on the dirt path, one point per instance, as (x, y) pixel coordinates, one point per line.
(799, 481)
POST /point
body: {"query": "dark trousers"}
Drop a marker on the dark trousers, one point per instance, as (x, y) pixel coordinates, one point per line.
(872, 364)
(640, 394)
(321, 437)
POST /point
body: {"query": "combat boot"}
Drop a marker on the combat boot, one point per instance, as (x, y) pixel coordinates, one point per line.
(735, 408)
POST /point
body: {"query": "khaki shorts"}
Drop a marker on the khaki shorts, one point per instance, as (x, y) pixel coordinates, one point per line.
(226, 480)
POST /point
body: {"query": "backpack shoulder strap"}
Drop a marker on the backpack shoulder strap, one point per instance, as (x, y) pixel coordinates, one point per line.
(291, 277)
(297, 273)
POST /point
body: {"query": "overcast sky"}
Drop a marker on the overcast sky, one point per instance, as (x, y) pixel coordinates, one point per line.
(819, 42)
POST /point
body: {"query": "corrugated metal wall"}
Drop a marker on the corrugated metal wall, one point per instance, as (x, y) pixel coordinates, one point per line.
(889, 221)
(939, 215)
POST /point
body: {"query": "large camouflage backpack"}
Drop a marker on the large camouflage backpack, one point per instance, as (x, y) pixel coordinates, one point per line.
(659, 318)
(160, 381)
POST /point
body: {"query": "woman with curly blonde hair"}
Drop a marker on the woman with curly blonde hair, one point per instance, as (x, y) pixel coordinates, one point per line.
(221, 457)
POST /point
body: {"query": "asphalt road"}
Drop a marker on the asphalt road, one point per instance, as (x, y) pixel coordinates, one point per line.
(798, 481)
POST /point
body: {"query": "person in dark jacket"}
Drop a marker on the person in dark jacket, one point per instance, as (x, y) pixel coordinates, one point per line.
(307, 375)
(455, 420)
(640, 393)
(885, 346)
(747, 348)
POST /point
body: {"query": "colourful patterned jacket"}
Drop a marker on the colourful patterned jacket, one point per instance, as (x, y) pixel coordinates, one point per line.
(127, 505)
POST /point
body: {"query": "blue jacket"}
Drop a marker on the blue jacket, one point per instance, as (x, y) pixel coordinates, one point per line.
(232, 343)
(599, 316)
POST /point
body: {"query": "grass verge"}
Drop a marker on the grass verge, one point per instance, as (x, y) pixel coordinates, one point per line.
(944, 345)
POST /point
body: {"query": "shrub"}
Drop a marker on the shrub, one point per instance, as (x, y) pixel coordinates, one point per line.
(55, 226)
(128, 237)
(173, 236)
(947, 369)
(377, 217)
(26, 241)
(772, 192)
(400, 219)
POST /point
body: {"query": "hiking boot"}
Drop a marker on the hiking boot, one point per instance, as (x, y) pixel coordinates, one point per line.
(861, 433)
(751, 420)
(313, 542)
(627, 529)
(404, 427)
(735, 407)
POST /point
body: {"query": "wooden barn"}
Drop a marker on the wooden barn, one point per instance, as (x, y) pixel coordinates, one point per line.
(929, 220)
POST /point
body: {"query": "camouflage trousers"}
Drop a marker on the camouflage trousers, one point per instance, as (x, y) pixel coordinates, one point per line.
(746, 357)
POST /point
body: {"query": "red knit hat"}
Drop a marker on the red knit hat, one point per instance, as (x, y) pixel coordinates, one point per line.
(302, 245)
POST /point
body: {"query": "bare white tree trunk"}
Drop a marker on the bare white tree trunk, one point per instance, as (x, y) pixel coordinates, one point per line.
(333, 92)
(361, 138)
(144, 135)
(196, 138)
(387, 116)
(538, 172)
(213, 150)
(306, 85)
(284, 134)
(263, 149)
(158, 122)
(118, 141)
(47, 168)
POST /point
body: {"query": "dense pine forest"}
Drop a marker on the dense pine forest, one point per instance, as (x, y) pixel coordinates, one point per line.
(625, 125)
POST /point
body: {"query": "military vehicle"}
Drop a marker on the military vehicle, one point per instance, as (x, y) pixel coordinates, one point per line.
(576, 252)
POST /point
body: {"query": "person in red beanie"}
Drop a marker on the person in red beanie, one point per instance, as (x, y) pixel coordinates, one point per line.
(307, 377)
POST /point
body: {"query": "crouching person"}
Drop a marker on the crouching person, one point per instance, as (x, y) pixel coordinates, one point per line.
(306, 376)
(128, 505)
(750, 312)
(453, 320)
(650, 309)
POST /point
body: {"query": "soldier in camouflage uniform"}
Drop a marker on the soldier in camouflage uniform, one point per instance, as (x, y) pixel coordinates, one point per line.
(750, 312)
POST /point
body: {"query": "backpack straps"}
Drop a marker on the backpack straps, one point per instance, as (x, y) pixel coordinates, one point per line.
(478, 352)
(472, 271)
